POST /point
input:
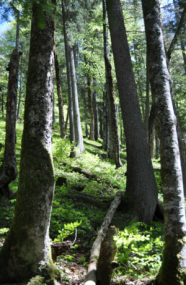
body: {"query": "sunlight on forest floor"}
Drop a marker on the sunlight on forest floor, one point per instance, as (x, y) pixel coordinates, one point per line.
(139, 245)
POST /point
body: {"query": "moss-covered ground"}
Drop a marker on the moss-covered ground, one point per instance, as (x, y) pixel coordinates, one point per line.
(139, 245)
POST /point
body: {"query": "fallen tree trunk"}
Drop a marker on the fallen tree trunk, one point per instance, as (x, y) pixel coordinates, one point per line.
(95, 251)
(91, 144)
(89, 174)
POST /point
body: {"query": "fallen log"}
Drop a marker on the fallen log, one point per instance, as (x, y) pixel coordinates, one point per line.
(91, 144)
(89, 174)
(95, 251)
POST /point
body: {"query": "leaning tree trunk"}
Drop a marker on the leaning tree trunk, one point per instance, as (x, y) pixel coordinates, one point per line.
(141, 188)
(26, 253)
(9, 166)
(60, 99)
(174, 257)
(113, 122)
(77, 120)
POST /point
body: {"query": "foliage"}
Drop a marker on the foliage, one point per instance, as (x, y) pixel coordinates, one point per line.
(67, 231)
(140, 249)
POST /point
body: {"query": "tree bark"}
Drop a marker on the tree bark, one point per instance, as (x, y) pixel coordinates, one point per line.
(60, 99)
(95, 251)
(90, 107)
(105, 122)
(77, 120)
(72, 131)
(95, 108)
(141, 190)
(20, 93)
(9, 167)
(26, 253)
(113, 122)
(174, 257)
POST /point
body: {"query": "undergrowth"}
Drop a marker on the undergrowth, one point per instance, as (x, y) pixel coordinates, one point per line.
(139, 245)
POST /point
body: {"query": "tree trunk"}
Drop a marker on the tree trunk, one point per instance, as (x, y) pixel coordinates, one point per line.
(26, 253)
(90, 107)
(147, 101)
(72, 131)
(141, 190)
(105, 122)
(95, 108)
(151, 130)
(60, 99)
(174, 257)
(9, 167)
(20, 93)
(113, 122)
(77, 120)
(95, 250)
(101, 122)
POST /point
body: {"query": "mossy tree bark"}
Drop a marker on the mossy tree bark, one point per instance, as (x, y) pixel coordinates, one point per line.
(9, 166)
(173, 270)
(141, 191)
(26, 254)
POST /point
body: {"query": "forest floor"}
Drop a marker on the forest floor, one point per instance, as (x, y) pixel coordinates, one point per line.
(81, 202)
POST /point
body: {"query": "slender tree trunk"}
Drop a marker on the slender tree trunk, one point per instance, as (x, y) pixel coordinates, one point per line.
(72, 131)
(26, 251)
(60, 99)
(157, 147)
(113, 122)
(174, 257)
(184, 55)
(20, 93)
(105, 122)
(141, 188)
(9, 167)
(77, 120)
(2, 107)
(147, 101)
(151, 130)
(95, 108)
(90, 106)
(101, 122)
(66, 122)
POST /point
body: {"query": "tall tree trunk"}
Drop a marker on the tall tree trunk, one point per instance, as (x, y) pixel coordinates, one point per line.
(72, 130)
(90, 107)
(151, 130)
(113, 122)
(95, 108)
(141, 189)
(8, 170)
(77, 120)
(174, 257)
(101, 122)
(60, 99)
(26, 251)
(147, 101)
(105, 122)
(20, 92)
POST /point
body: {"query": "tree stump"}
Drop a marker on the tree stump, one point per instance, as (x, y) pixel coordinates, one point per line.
(107, 255)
